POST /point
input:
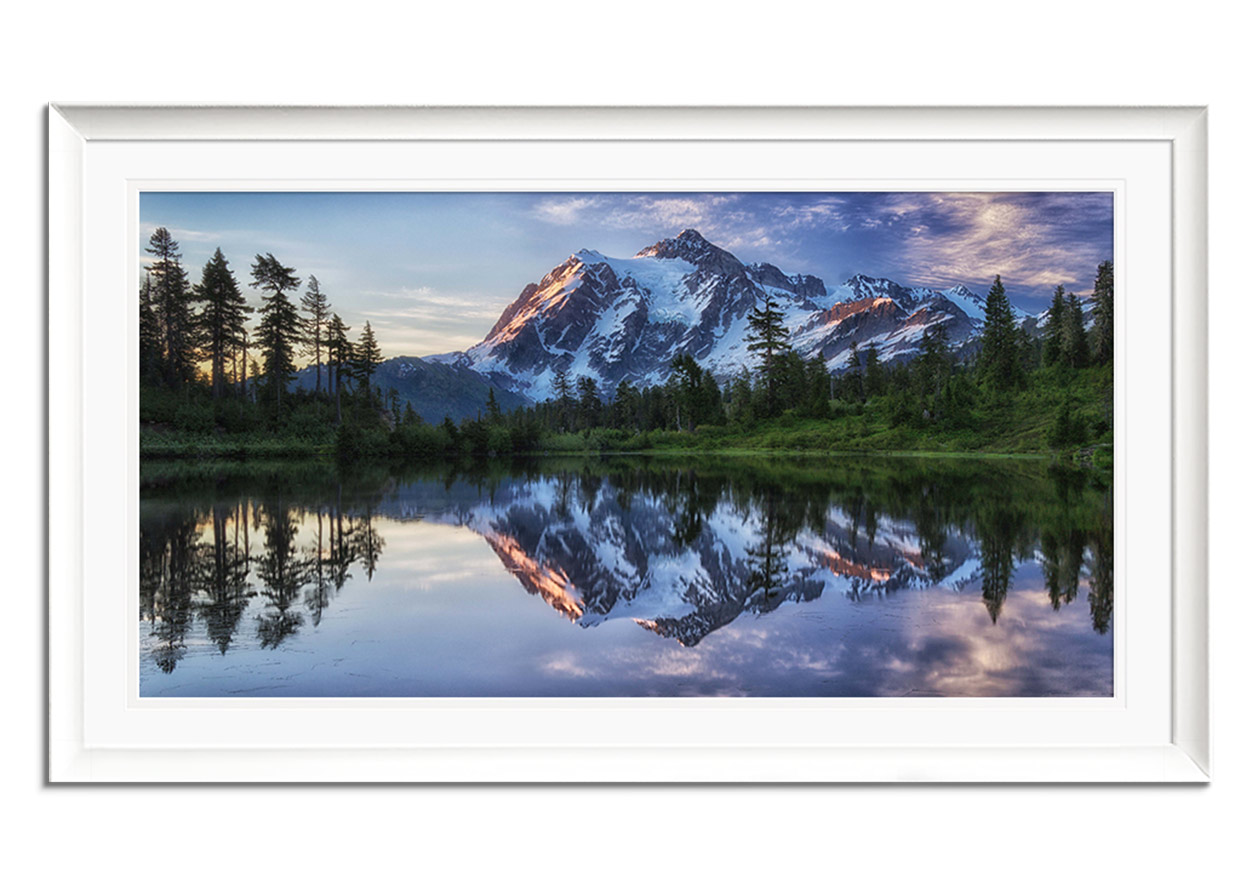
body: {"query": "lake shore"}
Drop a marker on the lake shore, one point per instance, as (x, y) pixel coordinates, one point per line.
(167, 446)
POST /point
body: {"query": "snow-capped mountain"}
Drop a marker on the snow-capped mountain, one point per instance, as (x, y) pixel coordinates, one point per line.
(615, 319)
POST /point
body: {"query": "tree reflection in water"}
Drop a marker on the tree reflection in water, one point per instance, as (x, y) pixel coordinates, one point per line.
(699, 544)
(199, 555)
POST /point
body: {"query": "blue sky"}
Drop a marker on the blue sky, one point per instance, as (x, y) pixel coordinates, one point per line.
(433, 271)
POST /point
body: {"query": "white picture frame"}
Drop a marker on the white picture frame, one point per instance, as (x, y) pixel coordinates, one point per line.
(1155, 730)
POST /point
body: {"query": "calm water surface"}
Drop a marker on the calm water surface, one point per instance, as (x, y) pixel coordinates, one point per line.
(631, 576)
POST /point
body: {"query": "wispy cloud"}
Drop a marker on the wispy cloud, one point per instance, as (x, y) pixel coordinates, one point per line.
(566, 210)
(192, 235)
(1035, 241)
(437, 269)
(659, 213)
(428, 319)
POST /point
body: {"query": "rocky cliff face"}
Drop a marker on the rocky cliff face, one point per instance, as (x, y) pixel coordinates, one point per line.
(615, 319)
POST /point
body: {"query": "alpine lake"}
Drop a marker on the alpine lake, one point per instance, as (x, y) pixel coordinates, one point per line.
(629, 575)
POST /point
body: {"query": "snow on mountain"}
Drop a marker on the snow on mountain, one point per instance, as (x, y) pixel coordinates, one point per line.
(616, 319)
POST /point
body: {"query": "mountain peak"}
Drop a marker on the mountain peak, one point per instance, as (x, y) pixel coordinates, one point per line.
(689, 242)
(693, 247)
(613, 319)
(873, 285)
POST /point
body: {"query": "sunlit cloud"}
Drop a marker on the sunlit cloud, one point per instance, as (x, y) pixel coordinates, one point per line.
(1035, 240)
(655, 213)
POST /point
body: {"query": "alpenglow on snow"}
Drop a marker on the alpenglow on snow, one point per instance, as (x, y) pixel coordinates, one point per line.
(615, 319)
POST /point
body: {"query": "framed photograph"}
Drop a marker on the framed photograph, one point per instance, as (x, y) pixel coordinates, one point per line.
(627, 444)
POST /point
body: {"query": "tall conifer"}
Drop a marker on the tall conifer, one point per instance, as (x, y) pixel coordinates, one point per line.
(280, 326)
(318, 309)
(171, 303)
(1103, 345)
(368, 356)
(1052, 333)
(223, 320)
(1075, 343)
(999, 362)
(769, 339)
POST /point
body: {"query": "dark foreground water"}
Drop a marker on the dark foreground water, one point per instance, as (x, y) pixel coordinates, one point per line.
(628, 576)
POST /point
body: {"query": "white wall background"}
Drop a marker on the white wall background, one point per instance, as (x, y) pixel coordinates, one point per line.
(640, 53)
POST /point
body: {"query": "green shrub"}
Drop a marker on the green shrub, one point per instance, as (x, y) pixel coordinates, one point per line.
(194, 418)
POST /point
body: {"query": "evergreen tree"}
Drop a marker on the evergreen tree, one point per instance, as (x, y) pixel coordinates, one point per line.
(768, 338)
(1075, 344)
(368, 356)
(851, 386)
(450, 430)
(709, 406)
(686, 393)
(315, 323)
(816, 388)
(1104, 318)
(934, 368)
(999, 363)
(791, 380)
(171, 304)
(1030, 350)
(625, 403)
(223, 320)
(588, 403)
(493, 412)
(339, 355)
(741, 404)
(339, 352)
(563, 392)
(151, 361)
(874, 373)
(240, 370)
(280, 326)
(1052, 333)
(1067, 428)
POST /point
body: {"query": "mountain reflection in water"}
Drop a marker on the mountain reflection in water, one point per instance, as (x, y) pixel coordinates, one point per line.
(843, 577)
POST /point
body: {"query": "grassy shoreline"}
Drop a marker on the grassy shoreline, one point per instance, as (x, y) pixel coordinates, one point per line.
(187, 447)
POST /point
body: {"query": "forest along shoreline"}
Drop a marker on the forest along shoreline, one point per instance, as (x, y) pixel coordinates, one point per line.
(210, 387)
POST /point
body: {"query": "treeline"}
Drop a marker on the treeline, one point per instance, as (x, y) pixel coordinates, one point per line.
(935, 390)
(213, 383)
(203, 364)
(1046, 388)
